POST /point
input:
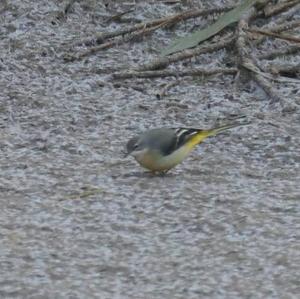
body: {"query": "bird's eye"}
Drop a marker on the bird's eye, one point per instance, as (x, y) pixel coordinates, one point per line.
(135, 146)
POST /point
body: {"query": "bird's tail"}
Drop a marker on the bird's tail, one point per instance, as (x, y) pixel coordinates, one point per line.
(203, 134)
(217, 130)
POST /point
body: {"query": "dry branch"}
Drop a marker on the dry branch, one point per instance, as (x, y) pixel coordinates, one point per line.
(69, 57)
(261, 80)
(247, 64)
(289, 70)
(291, 50)
(118, 16)
(288, 15)
(175, 73)
(144, 29)
(163, 62)
(286, 37)
(271, 10)
(166, 88)
(245, 61)
(288, 25)
(100, 38)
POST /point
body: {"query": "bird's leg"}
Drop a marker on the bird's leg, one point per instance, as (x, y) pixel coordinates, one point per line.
(151, 172)
(156, 172)
(163, 172)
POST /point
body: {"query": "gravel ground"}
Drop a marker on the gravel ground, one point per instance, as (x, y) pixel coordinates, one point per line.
(77, 220)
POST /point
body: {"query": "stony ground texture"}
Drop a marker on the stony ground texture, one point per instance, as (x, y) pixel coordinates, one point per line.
(79, 221)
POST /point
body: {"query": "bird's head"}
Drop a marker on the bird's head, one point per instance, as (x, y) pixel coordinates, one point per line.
(135, 147)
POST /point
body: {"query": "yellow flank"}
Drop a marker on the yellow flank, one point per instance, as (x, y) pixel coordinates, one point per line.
(199, 137)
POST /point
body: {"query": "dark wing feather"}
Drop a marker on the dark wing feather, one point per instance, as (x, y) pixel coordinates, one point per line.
(182, 136)
(173, 139)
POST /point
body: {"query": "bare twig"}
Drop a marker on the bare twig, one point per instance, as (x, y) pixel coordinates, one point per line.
(241, 41)
(163, 62)
(276, 28)
(276, 35)
(119, 15)
(245, 60)
(271, 10)
(261, 80)
(251, 67)
(289, 70)
(174, 73)
(166, 88)
(281, 52)
(110, 44)
(288, 25)
(100, 38)
(288, 15)
(87, 192)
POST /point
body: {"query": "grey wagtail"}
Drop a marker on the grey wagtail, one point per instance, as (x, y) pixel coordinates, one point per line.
(161, 149)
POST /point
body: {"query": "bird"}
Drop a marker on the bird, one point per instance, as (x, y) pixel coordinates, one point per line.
(161, 149)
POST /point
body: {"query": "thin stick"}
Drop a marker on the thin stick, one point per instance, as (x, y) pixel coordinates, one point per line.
(288, 25)
(276, 29)
(262, 81)
(291, 50)
(100, 38)
(272, 10)
(163, 62)
(166, 88)
(69, 57)
(276, 35)
(288, 15)
(119, 15)
(291, 70)
(245, 60)
(174, 73)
